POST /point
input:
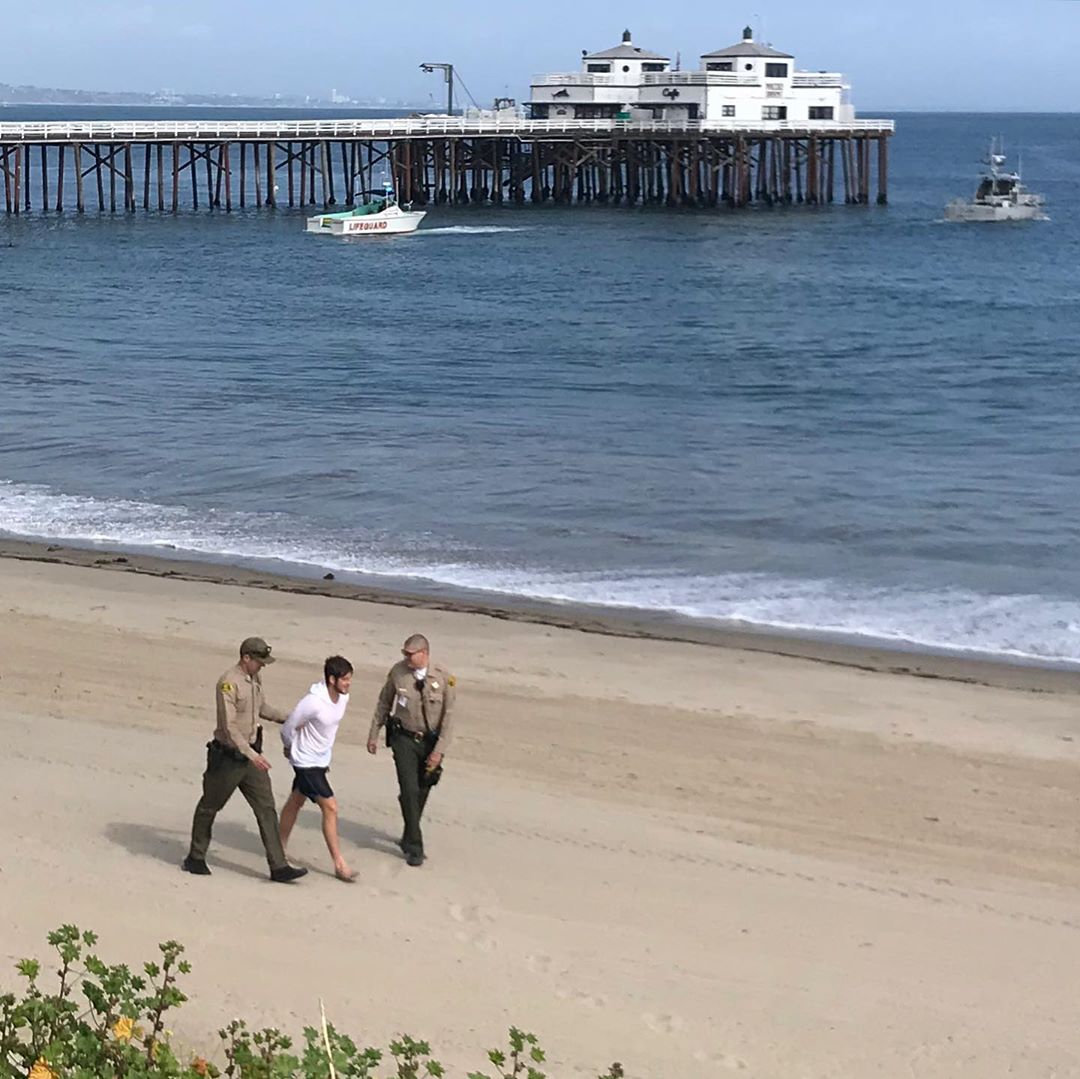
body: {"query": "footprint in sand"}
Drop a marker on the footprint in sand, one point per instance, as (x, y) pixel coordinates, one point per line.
(480, 941)
(663, 1024)
(724, 1060)
(470, 918)
(471, 914)
(586, 1000)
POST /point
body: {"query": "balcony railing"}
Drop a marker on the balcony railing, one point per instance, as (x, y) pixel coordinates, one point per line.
(698, 78)
(814, 80)
(576, 78)
(801, 80)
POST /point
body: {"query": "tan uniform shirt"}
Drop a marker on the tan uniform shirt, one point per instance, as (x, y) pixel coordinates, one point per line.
(402, 701)
(240, 706)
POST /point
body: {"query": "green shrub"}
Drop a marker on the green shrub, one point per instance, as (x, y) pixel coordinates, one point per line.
(108, 1022)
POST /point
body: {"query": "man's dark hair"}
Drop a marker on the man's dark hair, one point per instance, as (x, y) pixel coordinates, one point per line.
(336, 667)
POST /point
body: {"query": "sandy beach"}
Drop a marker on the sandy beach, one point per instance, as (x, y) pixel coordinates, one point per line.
(695, 857)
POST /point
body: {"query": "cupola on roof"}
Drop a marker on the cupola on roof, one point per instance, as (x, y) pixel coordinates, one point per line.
(626, 51)
(748, 47)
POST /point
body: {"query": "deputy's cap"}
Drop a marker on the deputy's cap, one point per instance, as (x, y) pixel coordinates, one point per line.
(258, 649)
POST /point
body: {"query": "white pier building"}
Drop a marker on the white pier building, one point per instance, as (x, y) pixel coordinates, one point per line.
(747, 85)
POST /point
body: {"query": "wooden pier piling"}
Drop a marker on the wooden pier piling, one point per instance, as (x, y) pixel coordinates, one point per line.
(440, 161)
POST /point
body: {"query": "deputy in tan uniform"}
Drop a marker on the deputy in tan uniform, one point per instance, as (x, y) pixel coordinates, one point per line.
(416, 707)
(234, 761)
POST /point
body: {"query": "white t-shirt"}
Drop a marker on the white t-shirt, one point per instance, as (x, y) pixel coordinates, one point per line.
(312, 726)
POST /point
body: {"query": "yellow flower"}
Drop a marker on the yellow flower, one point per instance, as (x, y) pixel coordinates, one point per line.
(41, 1070)
(123, 1029)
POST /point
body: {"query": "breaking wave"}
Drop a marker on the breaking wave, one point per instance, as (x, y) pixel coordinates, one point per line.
(1023, 627)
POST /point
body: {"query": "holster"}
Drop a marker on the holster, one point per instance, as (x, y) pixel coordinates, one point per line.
(229, 752)
(429, 778)
(429, 740)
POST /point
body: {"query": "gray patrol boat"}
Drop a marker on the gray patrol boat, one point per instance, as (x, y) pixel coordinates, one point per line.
(1000, 195)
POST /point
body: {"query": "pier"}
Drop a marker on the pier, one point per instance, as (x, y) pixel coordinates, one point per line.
(169, 166)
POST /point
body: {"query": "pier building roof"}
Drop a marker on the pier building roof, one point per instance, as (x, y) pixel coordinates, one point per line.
(748, 47)
(626, 51)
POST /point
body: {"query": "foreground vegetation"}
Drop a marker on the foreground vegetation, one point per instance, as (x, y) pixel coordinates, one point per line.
(108, 1022)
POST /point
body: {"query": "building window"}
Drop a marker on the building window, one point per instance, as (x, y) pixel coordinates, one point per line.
(596, 111)
(626, 68)
(654, 67)
(599, 69)
(728, 110)
(749, 67)
(719, 65)
(776, 71)
(774, 112)
(821, 112)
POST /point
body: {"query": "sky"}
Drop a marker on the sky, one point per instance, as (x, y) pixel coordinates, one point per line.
(989, 55)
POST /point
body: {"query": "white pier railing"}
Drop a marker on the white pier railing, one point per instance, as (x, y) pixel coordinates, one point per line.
(420, 127)
(577, 78)
(803, 80)
(699, 78)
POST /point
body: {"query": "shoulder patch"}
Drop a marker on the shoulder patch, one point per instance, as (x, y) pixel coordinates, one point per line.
(226, 687)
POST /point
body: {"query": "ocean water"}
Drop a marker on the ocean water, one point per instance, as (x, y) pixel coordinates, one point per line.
(840, 421)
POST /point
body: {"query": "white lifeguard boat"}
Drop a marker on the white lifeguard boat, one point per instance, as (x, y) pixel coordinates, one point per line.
(380, 216)
(1000, 195)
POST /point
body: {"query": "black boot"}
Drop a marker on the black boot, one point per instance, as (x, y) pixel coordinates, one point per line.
(287, 874)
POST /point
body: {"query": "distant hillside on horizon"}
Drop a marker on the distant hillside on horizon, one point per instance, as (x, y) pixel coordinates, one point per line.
(44, 95)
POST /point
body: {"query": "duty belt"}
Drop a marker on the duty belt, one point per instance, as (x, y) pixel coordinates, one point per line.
(394, 726)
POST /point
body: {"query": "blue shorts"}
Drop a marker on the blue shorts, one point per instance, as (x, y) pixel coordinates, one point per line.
(312, 783)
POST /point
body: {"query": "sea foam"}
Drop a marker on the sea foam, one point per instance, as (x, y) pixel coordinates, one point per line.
(1028, 627)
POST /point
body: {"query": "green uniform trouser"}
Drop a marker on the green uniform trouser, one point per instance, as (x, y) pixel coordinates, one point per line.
(223, 775)
(409, 758)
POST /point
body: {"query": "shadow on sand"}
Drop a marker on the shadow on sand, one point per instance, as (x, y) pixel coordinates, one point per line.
(171, 846)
